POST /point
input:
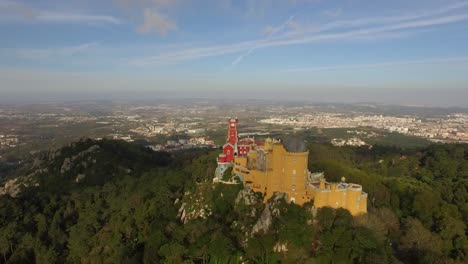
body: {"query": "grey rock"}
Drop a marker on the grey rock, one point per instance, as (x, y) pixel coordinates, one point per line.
(246, 197)
(266, 218)
(264, 222)
(65, 166)
(80, 178)
(12, 188)
(67, 163)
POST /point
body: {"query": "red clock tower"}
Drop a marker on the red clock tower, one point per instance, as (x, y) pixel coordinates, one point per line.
(232, 132)
(233, 148)
(230, 148)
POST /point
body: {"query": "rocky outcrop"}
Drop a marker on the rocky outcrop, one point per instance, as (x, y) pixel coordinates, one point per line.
(246, 197)
(266, 218)
(12, 188)
(264, 222)
(37, 163)
(68, 162)
(80, 178)
(196, 204)
(280, 247)
(54, 154)
(66, 165)
(189, 213)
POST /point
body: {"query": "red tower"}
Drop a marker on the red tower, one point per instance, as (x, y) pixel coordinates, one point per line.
(233, 148)
(230, 148)
(232, 132)
(226, 159)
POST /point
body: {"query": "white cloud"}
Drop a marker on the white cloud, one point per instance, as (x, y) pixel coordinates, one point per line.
(365, 32)
(17, 12)
(332, 13)
(75, 18)
(156, 22)
(259, 8)
(289, 23)
(192, 54)
(146, 3)
(270, 33)
(462, 59)
(47, 53)
(372, 21)
(386, 27)
(154, 14)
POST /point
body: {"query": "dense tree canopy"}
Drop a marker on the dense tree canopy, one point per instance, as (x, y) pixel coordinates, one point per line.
(125, 209)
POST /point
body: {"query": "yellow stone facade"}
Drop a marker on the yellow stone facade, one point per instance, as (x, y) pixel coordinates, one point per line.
(341, 195)
(272, 168)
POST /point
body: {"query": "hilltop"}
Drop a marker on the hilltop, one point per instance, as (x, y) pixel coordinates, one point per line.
(82, 164)
(113, 201)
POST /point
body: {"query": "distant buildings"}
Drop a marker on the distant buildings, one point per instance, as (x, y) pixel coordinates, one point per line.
(175, 145)
(339, 142)
(449, 128)
(196, 131)
(118, 136)
(10, 141)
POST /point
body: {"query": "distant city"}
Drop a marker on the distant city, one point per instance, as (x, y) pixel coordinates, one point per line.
(452, 127)
(178, 125)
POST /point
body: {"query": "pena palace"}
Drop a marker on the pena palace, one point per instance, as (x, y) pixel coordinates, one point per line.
(282, 166)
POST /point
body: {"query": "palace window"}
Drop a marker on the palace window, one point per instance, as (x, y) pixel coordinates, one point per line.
(293, 187)
(294, 172)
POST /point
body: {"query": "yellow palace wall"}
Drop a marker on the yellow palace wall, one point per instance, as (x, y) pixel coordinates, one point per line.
(273, 169)
(282, 171)
(351, 198)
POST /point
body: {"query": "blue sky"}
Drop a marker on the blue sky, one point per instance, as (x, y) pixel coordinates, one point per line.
(409, 52)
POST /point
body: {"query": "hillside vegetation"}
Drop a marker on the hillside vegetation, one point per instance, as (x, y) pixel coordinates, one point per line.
(115, 202)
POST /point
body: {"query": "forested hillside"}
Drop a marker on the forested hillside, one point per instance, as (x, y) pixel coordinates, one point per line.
(116, 202)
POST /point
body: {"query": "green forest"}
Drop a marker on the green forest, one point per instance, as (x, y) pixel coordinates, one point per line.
(110, 201)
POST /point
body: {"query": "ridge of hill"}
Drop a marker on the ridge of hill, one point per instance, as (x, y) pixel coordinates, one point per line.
(112, 201)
